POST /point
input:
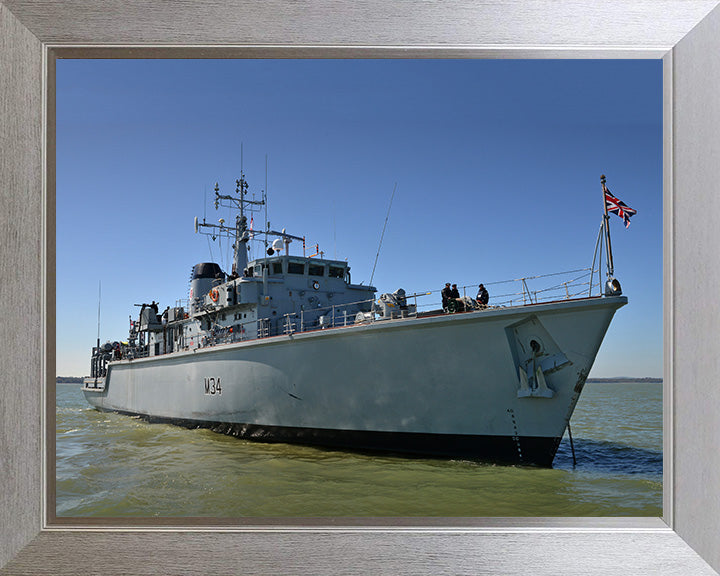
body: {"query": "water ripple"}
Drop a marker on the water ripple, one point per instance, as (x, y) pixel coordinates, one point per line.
(113, 465)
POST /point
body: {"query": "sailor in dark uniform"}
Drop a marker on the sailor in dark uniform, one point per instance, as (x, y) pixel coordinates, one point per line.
(482, 296)
(445, 296)
(455, 295)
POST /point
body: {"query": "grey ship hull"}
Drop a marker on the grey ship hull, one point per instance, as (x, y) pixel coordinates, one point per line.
(448, 385)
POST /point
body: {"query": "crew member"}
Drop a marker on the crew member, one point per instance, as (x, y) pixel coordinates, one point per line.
(482, 296)
(446, 296)
(455, 295)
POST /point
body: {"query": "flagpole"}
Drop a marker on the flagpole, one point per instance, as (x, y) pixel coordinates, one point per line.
(606, 223)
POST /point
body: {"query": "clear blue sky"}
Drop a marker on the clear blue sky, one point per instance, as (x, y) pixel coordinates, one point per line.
(497, 165)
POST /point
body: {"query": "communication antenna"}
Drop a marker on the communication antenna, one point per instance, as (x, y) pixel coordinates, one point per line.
(210, 249)
(383, 233)
(99, 297)
(265, 194)
(219, 237)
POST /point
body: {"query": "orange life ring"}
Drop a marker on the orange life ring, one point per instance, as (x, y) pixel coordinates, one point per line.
(214, 295)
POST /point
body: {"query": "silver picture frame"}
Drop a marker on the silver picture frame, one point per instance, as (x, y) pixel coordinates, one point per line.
(685, 34)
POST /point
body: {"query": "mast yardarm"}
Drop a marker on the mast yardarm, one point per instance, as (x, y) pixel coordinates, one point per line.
(240, 232)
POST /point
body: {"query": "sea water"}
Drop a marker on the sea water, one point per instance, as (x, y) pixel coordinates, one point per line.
(110, 465)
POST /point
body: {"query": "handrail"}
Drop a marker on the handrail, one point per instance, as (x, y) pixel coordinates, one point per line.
(524, 294)
(338, 315)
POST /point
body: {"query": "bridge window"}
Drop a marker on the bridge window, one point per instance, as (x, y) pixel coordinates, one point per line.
(276, 268)
(336, 272)
(296, 268)
(316, 270)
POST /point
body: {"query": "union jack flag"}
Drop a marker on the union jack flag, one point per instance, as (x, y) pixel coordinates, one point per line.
(618, 207)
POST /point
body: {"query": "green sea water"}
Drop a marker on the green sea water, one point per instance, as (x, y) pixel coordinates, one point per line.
(110, 465)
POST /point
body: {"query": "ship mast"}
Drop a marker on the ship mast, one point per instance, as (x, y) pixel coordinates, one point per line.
(606, 225)
(612, 286)
(240, 232)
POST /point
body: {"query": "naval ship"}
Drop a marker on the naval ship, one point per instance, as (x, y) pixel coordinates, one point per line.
(286, 348)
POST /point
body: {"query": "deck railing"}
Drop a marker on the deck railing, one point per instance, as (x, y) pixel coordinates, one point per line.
(517, 292)
(535, 289)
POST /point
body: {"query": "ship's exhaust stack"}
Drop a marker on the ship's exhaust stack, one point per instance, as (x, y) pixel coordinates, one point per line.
(204, 276)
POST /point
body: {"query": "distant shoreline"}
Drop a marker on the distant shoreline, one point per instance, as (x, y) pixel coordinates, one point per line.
(69, 380)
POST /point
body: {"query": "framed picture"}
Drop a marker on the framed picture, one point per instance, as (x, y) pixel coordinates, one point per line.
(34, 40)
(509, 141)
